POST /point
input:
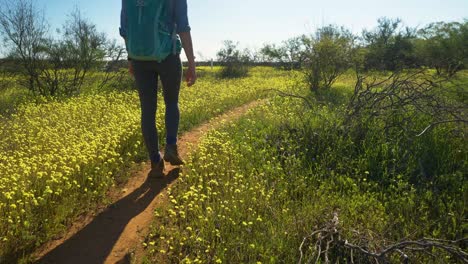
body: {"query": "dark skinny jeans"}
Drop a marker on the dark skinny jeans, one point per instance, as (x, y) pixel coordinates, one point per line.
(146, 77)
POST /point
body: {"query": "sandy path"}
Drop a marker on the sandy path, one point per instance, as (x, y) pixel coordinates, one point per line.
(115, 234)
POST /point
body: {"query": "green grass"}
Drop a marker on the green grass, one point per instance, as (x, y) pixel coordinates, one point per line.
(254, 189)
(11, 97)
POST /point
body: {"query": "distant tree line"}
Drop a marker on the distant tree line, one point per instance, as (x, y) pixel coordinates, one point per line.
(390, 46)
(58, 64)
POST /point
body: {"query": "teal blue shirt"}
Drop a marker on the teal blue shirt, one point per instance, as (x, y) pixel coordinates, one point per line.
(179, 17)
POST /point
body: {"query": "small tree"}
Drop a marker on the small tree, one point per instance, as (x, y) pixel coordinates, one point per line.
(85, 46)
(272, 53)
(113, 75)
(70, 58)
(80, 49)
(235, 62)
(444, 47)
(328, 55)
(54, 67)
(289, 55)
(389, 47)
(24, 31)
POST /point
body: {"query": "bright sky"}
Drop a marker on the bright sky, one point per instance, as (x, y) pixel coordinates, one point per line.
(255, 22)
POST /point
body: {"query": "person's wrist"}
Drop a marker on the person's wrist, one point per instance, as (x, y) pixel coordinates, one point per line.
(191, 63)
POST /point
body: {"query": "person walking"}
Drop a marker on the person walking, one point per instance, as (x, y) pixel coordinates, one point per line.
(155, 31)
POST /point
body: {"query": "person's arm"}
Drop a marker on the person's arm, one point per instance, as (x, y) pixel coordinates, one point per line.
(123, 21)
(123, 31)
(183, 29)
(191, 75)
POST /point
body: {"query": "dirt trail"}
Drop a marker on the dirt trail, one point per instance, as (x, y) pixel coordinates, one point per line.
(116, 234)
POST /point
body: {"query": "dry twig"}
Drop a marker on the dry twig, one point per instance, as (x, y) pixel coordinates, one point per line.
(330, 237)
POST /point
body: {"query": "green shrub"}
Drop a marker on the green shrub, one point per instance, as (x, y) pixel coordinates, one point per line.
(235, 62)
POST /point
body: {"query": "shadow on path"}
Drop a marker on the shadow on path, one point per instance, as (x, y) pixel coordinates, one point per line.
(95, 241)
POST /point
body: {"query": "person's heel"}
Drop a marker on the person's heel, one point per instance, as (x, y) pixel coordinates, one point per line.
(157, 169)
(171, 155)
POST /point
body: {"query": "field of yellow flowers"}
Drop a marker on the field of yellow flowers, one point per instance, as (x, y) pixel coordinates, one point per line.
(59, 158)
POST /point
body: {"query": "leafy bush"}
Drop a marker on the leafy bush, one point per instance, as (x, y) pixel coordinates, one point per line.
(328, 55)
(289, 55)
(444, 47)
(389, 46)
(235, 62)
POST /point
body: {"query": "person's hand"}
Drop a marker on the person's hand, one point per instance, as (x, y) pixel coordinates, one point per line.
(191, 75)
(130, 67)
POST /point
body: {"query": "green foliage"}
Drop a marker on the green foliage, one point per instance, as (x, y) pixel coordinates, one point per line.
(389, 47)
(328, 55)
(253, 189)
(12, 96)
(24, 31)
(45, 61)
(444, 47)
(289, 55)
(80, 49)
(235, 62)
